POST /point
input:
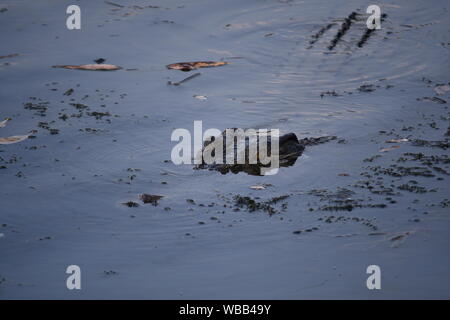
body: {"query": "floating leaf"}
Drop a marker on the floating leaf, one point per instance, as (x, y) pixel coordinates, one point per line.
(15, 139)
(199, 97)
(441, 90)
(397, 140)
(92, 67)
(9, 56)
(4, 122)
(433, 99)
(258, 187)
(261, 186)
(188, 66)
(68, 92)
(389, 149)
(400, 238)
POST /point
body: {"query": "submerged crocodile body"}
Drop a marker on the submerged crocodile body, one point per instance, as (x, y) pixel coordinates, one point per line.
(290, 148)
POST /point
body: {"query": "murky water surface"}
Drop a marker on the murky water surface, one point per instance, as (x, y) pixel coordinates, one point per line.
(62, 193)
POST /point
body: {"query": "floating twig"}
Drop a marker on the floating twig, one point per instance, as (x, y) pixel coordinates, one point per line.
(189, 66)
(12, 55)
(92, 67)
(114, 4)
(195, 75)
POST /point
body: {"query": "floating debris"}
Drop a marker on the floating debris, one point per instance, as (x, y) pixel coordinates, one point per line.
(189, 66)
(4, 122)
(195, 75)
(315, 37)
(306, 230)
(415, 189)
(397, 140)
(114, 4)
(12, 55)
(349, 205)
(433, 144)
(90, 67)
(131, 204)
(15, 139)
(399, 238)
(150, 198)
(252, 205)
(199, 97)
(261, 186)
(40, 108)
(365, 37)
(68, 92)
(98, 115)
(441, 90)
(329, 93)
(351, 20)
(389, 149)
(345, 26)
(433, 99)
(366, 88)
(336, 219)
(258, 187)
(369, 33)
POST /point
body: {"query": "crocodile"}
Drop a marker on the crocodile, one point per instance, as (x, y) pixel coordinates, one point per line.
(290, 148)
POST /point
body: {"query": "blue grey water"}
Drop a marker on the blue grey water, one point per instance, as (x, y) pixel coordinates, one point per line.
(61, 194)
